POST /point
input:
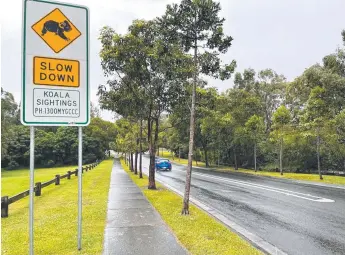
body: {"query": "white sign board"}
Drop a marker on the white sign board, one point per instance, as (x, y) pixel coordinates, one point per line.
(55, 62)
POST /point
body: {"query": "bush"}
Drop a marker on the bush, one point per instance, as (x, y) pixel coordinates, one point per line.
(12, 165)
(49, 163)
(89, 158)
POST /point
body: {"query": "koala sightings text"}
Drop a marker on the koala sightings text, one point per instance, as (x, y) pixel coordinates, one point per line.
(57, 28)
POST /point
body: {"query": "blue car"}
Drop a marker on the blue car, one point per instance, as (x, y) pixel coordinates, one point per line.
(163, 164)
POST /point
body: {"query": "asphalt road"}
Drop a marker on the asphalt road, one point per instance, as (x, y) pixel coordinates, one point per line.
(296, 218)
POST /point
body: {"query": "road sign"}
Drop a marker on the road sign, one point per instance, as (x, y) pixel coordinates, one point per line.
(56, 72)
(55, 75)
(56, 30)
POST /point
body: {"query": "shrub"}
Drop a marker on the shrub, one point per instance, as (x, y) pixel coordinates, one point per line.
(49, 163)
(12, 165)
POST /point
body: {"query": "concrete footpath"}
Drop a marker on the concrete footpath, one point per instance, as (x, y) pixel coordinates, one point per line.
(133, 225)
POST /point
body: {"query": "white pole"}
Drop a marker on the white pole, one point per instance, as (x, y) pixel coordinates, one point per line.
(80, 160)
(31, 206)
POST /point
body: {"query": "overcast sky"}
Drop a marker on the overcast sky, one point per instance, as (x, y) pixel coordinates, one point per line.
(285, 35)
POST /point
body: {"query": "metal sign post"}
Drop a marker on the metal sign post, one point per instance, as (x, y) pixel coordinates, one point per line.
(80, 183)
(31, 209)
(55, 78)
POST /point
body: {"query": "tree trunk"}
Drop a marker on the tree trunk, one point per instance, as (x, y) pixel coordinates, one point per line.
(158, 151)
(218, 156)
(206, 158)
(152, 148)
(281, 156)
(318, 153)
(179, 154)
(141, 150)
(255, 156)
(268, 124)
(185, 210)
(136, 162)
(235, 157)
(131, 157)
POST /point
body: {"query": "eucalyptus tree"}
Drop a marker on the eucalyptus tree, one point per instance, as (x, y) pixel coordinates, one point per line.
(255, 129)
(317, 116)
(196, 24)
(241, 105)
(281, 119)
(267, 85)
(245, 81)
(9, 113)
(271, 90)
(340, 133)
(147, 75)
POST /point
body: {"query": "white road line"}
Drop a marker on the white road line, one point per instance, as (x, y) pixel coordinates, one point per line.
(268, 188)
(256, 240)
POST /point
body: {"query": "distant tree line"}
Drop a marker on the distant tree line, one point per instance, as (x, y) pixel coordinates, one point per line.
(54, 146)
(267, 122)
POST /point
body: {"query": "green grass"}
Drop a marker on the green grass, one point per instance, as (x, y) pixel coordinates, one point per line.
(55, 213)
(329, 179)
(198, 232)
(22, 181)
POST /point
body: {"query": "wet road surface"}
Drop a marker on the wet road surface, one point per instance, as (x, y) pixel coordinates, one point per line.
(297, 218)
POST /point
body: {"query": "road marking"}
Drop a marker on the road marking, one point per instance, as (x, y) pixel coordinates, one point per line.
(268, 188)
(256, 240)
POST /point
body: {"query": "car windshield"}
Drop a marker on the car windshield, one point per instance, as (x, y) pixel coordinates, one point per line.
(164, 160)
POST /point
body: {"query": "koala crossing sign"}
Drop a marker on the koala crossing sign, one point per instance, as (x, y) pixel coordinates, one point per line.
(55, 80)
(56, 30)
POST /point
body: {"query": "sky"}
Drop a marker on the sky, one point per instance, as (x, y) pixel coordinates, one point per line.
(285, 35)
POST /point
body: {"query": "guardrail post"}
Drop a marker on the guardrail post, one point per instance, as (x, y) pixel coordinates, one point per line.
(57, 179)
(4, 207)
(38, 189)
(68, 174)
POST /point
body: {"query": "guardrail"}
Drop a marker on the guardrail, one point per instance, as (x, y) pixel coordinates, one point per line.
(6, 201)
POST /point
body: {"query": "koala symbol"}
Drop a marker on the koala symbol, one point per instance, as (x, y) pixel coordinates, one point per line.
(57, 28)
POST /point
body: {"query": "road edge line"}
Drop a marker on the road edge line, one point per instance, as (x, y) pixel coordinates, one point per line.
(255, 240)
(325, 185)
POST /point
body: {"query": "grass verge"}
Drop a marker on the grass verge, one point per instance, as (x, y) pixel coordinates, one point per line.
(329, 179)
(55, 213)
(198, 232)
(21, 178)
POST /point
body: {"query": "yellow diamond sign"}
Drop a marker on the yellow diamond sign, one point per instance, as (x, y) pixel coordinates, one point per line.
(56, 30)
